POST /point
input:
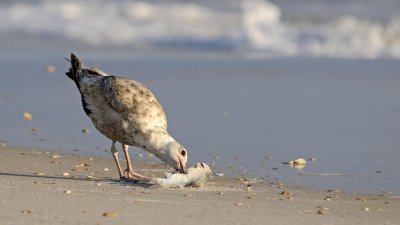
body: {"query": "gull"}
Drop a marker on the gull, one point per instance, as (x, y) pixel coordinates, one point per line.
(127, 112)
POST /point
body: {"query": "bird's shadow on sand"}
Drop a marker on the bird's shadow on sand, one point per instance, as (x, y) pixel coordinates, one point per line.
(109, 180)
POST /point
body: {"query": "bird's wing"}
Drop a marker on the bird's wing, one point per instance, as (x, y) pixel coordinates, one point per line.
(131, 97)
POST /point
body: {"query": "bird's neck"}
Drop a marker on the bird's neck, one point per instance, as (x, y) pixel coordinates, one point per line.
(158, 142)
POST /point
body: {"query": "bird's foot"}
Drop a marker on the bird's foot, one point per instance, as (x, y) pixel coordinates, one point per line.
(132, 176)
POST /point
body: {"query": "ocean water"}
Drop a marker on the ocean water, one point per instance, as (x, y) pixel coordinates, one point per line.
(314, 28)
(246, 85)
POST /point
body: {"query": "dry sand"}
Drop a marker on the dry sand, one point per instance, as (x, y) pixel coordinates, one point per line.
(48, 188)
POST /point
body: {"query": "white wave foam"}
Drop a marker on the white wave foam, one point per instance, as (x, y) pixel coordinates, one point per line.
(255, 26)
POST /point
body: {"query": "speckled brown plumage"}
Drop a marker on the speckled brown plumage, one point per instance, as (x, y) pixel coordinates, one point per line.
(123, 110)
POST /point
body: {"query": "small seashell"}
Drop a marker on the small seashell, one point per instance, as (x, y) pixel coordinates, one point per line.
(299, 161)
(68, 192)
(219, 174)
(238, 204)
(27, 116)
(106, 169)
(65, 174)
(285, 193)
(328, 198)
(366, 209)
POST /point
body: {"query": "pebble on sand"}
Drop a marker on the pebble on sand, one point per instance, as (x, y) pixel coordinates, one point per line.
(27, 116)
(35, 131)
(85, 130)
(26, 211)
(138, 202)
(50, 69)
(110, 214)
(65, 174)
(68, 192)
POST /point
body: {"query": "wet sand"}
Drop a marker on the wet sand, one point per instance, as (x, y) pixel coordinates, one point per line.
(35, 189)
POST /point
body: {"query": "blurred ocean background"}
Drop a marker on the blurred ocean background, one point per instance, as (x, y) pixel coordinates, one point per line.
(316, 28)
(245, 84)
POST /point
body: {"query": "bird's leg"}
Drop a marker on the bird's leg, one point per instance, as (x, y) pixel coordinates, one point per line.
(129, 173)
(114, 152)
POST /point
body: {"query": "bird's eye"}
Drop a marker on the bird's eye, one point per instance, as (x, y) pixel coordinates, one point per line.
(183, 152)
(202, 165)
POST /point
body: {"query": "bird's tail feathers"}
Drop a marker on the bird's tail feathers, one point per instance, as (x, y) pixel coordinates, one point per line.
(75, 72)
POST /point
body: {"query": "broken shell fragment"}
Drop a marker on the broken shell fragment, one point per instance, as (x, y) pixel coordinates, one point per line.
(324, 211)
(299, 161)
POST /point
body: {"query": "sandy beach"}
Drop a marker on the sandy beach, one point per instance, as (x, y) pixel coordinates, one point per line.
(39, 187)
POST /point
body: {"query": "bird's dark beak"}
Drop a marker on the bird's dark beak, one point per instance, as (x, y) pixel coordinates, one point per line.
(181, 168)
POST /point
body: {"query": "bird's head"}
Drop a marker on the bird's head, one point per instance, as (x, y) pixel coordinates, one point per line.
(176, 156)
